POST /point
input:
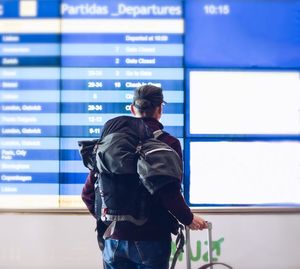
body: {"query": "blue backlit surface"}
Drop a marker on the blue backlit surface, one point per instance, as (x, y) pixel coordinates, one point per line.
(66, 68)
(250, 34)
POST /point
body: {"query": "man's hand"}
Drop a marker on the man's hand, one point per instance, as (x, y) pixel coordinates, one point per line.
(198, 223)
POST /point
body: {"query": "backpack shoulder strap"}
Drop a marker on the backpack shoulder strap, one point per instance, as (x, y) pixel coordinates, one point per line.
(158, 133)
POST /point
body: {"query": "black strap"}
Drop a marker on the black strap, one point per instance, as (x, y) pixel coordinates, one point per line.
(208, 265)
(179, 246)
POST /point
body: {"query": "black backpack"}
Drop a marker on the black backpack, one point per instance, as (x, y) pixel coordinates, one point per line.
(131, 165)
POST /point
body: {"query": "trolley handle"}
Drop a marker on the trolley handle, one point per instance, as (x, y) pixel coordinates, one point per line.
(210, 263)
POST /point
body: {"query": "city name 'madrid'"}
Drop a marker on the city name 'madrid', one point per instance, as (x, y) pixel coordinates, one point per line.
(122, 10)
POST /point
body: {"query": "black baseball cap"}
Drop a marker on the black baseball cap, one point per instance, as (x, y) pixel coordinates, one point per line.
(147, 96)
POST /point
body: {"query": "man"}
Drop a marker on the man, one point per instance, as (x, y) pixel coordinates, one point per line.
(147, 246)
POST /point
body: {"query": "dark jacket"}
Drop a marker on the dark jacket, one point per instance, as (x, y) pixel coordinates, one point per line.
(168, 198)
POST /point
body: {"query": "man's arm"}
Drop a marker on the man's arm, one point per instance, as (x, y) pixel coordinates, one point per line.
(172, 199)
(88, 193)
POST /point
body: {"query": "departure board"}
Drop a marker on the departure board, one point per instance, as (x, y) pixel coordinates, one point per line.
(30, 102)
(229, 70)
(66, 68)
(107, 50)
(242, 34)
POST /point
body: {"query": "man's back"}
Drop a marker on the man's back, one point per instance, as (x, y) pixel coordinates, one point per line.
(160, 222)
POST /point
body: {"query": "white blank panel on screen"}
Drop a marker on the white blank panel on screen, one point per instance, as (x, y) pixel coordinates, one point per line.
(244, 102)
(245, 173)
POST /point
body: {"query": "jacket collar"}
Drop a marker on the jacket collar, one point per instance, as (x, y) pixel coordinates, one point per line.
(153, 124)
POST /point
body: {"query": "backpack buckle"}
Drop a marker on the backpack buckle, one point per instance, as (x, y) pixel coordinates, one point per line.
(138, 149)
(103, 214)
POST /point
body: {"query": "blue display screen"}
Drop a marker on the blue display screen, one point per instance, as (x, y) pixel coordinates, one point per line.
(249, 34)
(66, 68)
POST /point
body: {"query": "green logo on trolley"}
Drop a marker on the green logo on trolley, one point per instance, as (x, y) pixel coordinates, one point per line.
(200, 252)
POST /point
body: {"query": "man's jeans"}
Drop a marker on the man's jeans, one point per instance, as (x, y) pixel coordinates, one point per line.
(122, 254)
